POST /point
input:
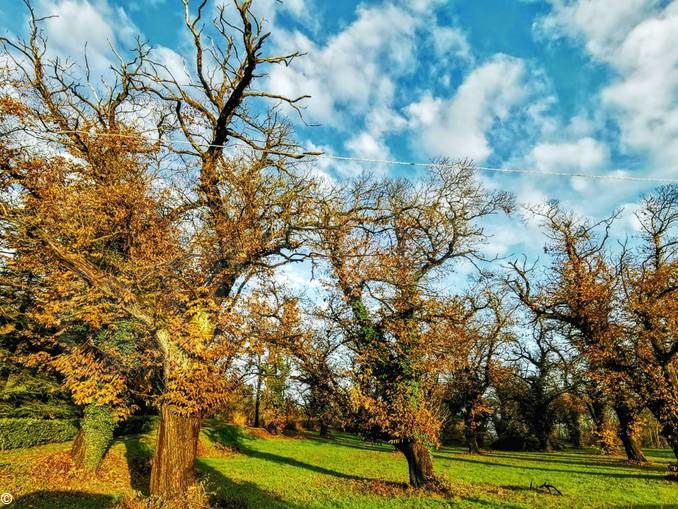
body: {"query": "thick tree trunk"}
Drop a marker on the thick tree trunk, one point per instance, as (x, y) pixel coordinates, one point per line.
(418, 462)
(94, 438)
(176, 449)
(542, 429)
(574, 429)
(627, 433)
(669, 431)
(324, 429)
(599, 417)
(544, 442)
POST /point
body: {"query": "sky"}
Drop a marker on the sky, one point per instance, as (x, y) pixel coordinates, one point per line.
(579, 86)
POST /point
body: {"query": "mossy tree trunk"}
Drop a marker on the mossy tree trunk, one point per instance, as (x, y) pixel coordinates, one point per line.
(94, 438)
(418, 462)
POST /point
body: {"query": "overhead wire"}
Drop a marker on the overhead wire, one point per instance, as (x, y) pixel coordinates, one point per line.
(549, 173)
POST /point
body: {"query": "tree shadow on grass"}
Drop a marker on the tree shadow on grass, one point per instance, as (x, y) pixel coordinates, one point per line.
(523, 467)
(228, 494)
(346, 440)
(230, 437)
(138, 455)
(614, 462)
(64, 500)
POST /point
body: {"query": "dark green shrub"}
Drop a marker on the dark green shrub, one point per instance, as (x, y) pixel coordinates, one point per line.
(17, 433)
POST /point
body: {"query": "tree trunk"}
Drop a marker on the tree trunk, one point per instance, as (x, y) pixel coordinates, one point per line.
(470, 434)
(542, 428)
(599, 417)
(418, 462)
(472, 442)
(627, 434)
(324, 429)
(94, 438)
(257, 398)
(573, 424)
(667, 417)
(176, 449)
(544, 442)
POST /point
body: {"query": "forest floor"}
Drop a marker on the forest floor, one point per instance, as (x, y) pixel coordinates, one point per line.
(242, 469)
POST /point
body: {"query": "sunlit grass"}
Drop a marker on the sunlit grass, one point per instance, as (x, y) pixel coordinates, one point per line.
(244, 470)
(345, 472)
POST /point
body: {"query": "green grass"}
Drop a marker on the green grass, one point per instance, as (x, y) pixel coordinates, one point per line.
(344, 472)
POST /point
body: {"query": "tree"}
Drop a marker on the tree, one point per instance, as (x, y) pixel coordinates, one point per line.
(650, 289)
(384, 243)
(158, 198)
(543, 377)
(486, 328)
(579, 293)
(326, 400)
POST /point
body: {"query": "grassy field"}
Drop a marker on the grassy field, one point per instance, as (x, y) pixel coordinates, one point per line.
(243, 470)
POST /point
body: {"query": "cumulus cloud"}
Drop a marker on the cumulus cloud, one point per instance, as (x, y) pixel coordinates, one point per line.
(600, 24)
(458, 126)
(355, 70)
(92, 24)
(451, 41)
(584, 154)
(636, 38)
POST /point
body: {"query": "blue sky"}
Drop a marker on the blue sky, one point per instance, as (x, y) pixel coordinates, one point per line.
(584, 86)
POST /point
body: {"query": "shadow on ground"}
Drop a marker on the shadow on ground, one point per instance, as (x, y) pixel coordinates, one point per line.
(230, 436)
(138, 455)
(63, 500)
(228, 494)
(468, 459)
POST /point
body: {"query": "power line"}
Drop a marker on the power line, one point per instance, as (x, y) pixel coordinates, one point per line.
(509, 170)
(423, 164)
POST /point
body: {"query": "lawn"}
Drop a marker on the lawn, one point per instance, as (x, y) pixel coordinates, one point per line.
(243, 469)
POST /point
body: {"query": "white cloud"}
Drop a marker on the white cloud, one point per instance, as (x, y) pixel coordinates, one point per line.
(94, 23)
(450, 41)
(601, 24)
(365, 145)
(459, 126)
(636, 38)
(356, 69)
(584, 154)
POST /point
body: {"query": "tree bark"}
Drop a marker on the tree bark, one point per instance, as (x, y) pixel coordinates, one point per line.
(176, 449)
(418, 462)
(324, 429)
(94, 438)
(472, 442)
(470, 434)
(542, 428)
(627, 434)
(597, 410)
(573, 424)
(667, 417)
(257, 397)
